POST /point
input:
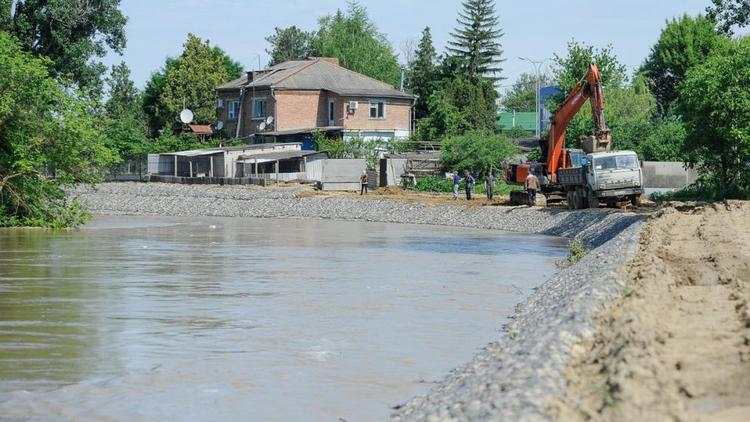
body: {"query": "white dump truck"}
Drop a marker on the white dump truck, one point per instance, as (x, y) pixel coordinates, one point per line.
(603, 177)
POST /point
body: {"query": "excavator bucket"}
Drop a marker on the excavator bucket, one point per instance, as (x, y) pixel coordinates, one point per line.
(596, 143)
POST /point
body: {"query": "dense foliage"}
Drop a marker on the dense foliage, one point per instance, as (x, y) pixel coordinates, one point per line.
(45, 130)
(476, 40)
(572, 67)
(477, 152)
(289, 43)
(192, 81)
(443, 185)
(422, 73)
(715, 106)
(730, 14)
(683, 44)
(72, 33)
(355, 40)
(522, 94)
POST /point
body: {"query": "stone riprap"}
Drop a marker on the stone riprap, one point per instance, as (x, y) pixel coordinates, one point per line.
(593, 227)
(511, 379)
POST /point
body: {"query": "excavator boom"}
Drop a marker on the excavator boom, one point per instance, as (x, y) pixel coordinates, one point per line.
(589, 88)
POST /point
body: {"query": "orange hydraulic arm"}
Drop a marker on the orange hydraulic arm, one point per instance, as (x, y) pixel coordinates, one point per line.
(590, 87)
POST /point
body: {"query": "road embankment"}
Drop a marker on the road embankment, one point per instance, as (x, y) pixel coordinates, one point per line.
(676, 344)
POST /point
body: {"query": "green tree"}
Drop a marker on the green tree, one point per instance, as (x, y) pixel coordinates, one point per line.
(683, 43)
(45, 130)
(191, 82)
(629, 112)
(665, 142)
(289, 43)
(477, 40)
(458, 103)
(422, 73)
(156, 112)
(572, 67)
(125, 125)
(234, 68)
(355, 41)
(522, 95)
(71, 33)
(715, 106)
(729, 13)
(476, 151)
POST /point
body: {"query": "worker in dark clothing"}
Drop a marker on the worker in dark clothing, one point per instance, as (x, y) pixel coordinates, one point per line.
(469, 179)
(363, 182)
(489, 185)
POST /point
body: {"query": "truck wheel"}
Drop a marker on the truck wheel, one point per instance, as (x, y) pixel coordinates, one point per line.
(578, 199)
(635, 200)
(593, 200)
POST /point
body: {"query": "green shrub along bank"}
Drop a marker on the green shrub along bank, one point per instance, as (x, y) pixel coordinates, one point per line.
(437, 184)
(701, 192)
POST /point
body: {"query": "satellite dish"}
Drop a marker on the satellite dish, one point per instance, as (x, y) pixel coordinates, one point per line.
(262, 126)
(220, 125)
(269, 120)
(186, 116)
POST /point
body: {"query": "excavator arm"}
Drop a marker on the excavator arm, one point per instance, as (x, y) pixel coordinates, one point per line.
(589, 88)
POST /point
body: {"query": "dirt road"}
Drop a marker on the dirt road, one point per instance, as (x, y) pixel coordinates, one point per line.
(676, 345)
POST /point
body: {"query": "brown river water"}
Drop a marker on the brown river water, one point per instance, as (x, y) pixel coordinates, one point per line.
(150, 318)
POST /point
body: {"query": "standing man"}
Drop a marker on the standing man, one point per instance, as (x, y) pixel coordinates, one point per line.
(532, 184)
(456, 182)
(469, 179)
(489, 185)
(363, 182)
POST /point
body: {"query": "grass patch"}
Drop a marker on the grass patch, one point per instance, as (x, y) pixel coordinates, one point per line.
(437, 184)
(576, 252)
(702, 193)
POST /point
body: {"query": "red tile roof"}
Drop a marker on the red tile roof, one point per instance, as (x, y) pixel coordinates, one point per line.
(201, 129)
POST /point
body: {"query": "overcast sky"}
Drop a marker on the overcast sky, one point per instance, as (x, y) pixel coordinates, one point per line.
(536, 29)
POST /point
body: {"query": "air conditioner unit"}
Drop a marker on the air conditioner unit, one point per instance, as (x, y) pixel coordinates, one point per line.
(352, 106)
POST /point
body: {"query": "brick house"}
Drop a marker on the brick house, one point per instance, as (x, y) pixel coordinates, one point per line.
(291, 100)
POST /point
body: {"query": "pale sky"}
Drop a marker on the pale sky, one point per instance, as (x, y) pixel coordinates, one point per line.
(535, 29)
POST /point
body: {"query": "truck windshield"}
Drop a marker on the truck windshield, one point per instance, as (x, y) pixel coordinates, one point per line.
(616, 162)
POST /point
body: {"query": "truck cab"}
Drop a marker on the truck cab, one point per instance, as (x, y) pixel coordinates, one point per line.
(613, 177)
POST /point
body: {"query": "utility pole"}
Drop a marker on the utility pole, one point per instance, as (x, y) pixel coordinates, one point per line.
(537, 71)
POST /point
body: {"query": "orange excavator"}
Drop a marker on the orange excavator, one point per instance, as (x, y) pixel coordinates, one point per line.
(588, 88)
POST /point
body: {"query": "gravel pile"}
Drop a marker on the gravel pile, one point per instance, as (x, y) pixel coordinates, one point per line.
(512, 379)
(594, 227)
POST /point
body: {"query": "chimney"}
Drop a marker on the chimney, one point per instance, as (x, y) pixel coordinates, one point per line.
(250, 75)
(332, 60)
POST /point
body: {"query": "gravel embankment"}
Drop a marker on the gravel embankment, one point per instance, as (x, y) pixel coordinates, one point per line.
(512, 379)
(594, 227)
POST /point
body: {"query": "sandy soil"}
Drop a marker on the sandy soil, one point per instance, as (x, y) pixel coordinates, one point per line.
(676, 345)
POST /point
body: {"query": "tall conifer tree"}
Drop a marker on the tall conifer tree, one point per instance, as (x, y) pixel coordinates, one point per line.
(423, 73)
(476, 40)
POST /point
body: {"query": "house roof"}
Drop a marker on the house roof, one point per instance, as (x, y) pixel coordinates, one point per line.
(273, 156)
(317, 74)
(201, 129)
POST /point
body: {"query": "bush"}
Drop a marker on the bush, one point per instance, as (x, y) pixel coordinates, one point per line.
(441, 185)
(476, 152)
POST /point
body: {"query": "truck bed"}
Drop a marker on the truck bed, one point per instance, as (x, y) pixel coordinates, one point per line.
(572, 176)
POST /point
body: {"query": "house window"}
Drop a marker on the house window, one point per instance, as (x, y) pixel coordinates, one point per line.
(260, 107)
(233, 109)
(377, 109)
(219, 103)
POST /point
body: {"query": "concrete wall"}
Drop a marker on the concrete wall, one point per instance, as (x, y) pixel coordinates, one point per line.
(667, 175)
(336, 175)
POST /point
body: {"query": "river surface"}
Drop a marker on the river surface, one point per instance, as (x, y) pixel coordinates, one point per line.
(146, 318)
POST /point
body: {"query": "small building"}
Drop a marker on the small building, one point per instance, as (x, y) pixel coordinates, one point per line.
(277, 161)
(290, 101)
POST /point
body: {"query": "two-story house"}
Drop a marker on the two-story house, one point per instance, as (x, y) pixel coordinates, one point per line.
(291, 100)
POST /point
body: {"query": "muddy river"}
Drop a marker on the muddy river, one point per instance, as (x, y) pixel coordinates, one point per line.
(145, 318)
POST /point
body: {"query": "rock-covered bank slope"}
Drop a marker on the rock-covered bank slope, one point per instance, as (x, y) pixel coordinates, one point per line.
(594, 227)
